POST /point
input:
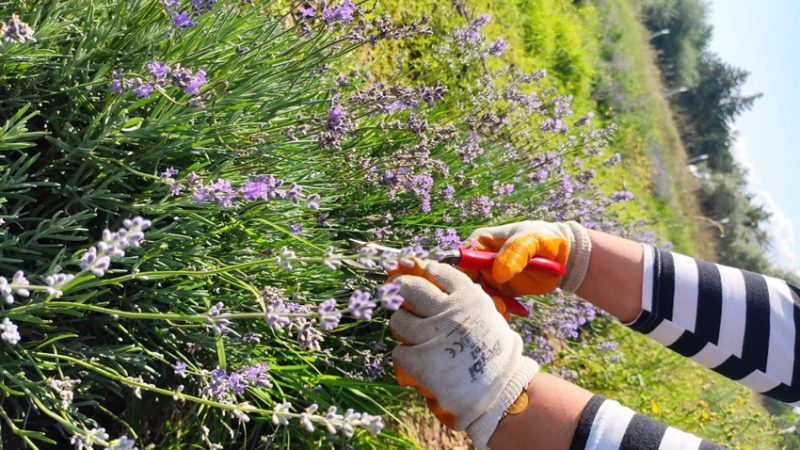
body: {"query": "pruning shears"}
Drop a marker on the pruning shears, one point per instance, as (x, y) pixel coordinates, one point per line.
(472, 259)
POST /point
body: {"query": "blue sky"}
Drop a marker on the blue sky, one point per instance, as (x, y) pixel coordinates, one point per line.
(763, 37)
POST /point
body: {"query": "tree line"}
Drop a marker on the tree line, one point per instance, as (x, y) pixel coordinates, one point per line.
(706, 96)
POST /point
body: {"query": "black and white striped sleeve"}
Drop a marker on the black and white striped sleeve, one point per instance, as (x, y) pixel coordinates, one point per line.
(738, 323)
(607, 425)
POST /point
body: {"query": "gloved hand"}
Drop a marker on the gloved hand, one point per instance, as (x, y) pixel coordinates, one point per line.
(516, 243)
(457, 350)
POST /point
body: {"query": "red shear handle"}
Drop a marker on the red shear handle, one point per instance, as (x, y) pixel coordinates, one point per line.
(481, 260)
(513, 304)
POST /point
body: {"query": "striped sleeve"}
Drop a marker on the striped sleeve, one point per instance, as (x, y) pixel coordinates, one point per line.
(607, 425)
(737, 323)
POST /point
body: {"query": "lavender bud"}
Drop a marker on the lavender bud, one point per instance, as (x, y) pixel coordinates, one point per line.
(280, 413)
(10, 333)
(19, 284)
(6, 291)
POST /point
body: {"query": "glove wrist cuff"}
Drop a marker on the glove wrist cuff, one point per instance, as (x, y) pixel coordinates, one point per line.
(483, 428)
(580, 250)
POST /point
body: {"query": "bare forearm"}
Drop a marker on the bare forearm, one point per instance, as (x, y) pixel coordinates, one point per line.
(614, 279)
(549, 421)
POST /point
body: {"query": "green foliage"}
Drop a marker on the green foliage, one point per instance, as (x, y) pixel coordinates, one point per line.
(706, 110)
(628, 91)
(78, 158)
(743, 240)
(680, 34)
(640, 374)
(707, 98)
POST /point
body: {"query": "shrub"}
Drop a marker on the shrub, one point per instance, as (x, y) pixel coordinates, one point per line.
(239, 155)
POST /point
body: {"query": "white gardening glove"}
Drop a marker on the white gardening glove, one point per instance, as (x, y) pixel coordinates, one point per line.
(457, 350)
(567, 243)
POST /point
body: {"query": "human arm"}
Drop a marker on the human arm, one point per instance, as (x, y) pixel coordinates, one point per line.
(740, 324)
(459, 353)
(563, 416)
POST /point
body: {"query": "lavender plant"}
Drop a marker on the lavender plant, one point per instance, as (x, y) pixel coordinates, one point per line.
(256, 152)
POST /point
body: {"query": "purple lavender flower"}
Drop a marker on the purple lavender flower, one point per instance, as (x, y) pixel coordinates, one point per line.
(295, 193)
(335, 115)
(480, 206)
(502, 189)
(373, 369)
(181, 77)
(236, 383)
(542, 351)
(202, 6)
(389, 295)
(307, 11)
(196, 82)
(329, 15)
(447, 240)
(360, 305)
(143, 90)
(182, 20)
(621, 196)
(213, 318)
(336, 128)
(342, 12)
(170, 172)
(158, 69)
(329, 317)
(308, 337)
(482, 20)
(257, 375)
(171, 5)
(312, 201)
(471, 34)
(497, 47)
(255, 190)
(94, 263)
(295, 227)
(115, 85)
(585, 120)
(613, 160)
(221, 193)
(200, 195)
(275, 316)
(471, 149)
(218, 382)
(553, 125)
(16, 31)
(180, 369)
(607, 346)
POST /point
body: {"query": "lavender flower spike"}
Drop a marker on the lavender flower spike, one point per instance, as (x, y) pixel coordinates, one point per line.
(158, 69)
(217, 323)
(280, 414)
(390, 299)
(16, 31)
(181, 20)
(360, 305)
(6, 291)
(56, 282)
(329, 317)
(9, 331)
